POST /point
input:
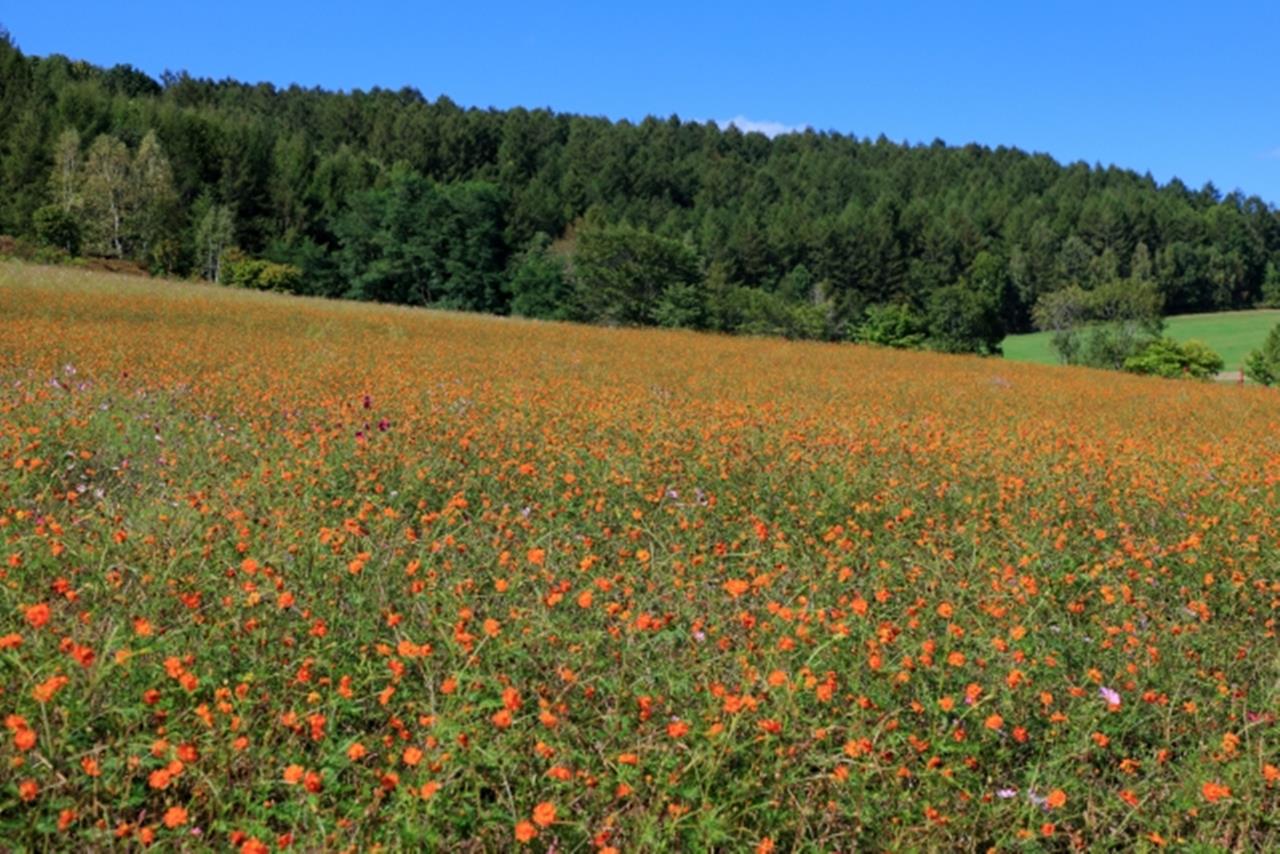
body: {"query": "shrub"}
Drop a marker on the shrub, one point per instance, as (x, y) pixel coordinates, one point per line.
(242, 271)
(622, 272)
(1263, 365)
(1103, 327)
(540, 285)
(755, 311)
(963, 320)
(893, 325)
(1168, 358)
(681, 306)
(58, 228)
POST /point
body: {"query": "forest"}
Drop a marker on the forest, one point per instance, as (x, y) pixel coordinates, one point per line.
(387, 195)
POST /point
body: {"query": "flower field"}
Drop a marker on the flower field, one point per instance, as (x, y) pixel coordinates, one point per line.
(280, 573)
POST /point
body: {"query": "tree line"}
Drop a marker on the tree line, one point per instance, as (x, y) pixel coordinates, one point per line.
(387, 195)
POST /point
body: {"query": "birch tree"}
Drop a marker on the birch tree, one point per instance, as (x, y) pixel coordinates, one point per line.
(107, 196)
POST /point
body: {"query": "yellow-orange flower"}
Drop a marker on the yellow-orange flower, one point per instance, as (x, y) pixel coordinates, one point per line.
(1214, 792)
(526, 832)
(544, 814)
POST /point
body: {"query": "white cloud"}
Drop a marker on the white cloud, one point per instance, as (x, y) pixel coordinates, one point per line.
(769, 129)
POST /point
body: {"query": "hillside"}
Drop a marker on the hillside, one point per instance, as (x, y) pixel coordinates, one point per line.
(289, 572)
(386, 195)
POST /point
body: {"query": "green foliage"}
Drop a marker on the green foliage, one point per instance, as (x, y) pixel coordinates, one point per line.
(214, 234)
(1102, 327)
(892, 325)
(540, 284)
(112, 202)
(319, 272)
(964, 319)
(1270, 287)
(1166, 357)
(415, 242)
(108, 200)
(1135, 302)
(755, 311)
(155, 205)
(25, 250)
(56, 227)
(622, 272)
(797, 285)
(1263, 365)
(259, 273)
(681, 306)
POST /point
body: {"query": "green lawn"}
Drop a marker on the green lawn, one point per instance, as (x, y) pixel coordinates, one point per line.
(1232, 334)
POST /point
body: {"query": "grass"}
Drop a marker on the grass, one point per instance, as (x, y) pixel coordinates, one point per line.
(278, 572)
(1231, 334)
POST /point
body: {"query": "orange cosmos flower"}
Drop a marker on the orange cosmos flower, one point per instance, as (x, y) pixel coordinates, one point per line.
(544, 814)
(37, 615)
(526, 832)
(45, 691)
(24, 738)
(1214, 792)
(175, 817)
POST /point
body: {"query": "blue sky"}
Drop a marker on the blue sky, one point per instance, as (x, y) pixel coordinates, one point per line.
(1174, 88)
